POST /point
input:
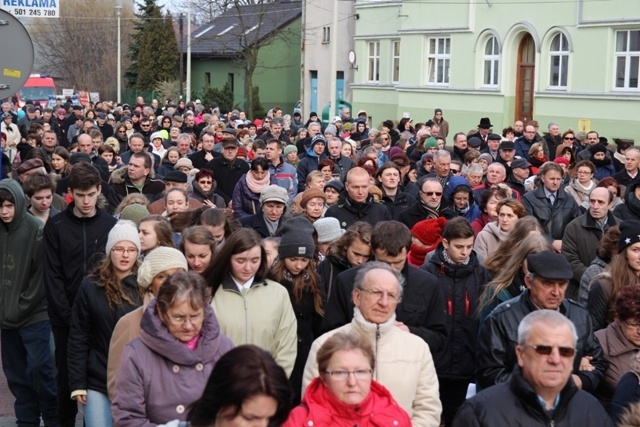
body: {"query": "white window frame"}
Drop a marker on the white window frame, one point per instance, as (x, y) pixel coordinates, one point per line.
(563, 63)
(629, 56)
(441, 55)
(493, 59)
(373, 62)
(395, 63)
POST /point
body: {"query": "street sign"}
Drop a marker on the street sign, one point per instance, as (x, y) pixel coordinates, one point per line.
(32, 8)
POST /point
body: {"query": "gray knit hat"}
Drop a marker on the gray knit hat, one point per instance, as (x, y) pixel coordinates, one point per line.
(290, 148)
(124, 230)
(158, 260)
(328, 229)
(297, 239)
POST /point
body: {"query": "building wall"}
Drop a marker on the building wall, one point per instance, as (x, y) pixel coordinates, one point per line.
(318, 15)
(589, 99)
(277, 74)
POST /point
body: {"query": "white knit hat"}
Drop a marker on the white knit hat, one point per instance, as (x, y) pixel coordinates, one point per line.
(124, 230)
(158, 260)
(328, 229)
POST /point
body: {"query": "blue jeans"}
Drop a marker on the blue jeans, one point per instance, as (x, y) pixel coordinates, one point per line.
(26, 362)
(97, 411)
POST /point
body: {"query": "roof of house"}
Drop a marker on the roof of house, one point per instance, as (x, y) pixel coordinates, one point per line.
(243, 26)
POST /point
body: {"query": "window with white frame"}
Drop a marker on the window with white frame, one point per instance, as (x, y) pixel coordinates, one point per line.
(439, 59)
(396, 61)
(491, 61)
(374, 62)
(627, 59)
(558, 61)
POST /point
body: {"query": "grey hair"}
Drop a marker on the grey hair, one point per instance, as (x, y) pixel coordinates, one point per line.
(441, 153)
(552, 124)
(334, 139)
(637, 151)
(498, 164)
(377, 265)
(474, 168)
(277, 121)
(185, 136)
(314, 124)
(550, 318)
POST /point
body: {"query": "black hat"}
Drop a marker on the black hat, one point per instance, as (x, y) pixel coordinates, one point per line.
(494, 137)
(474, 142)
(388, 124)
(485, 123)
(598, 148)
(176, 176)
(297, 239)
(549, 265)
(313, 114)
(507, 145)
(429, 123)
(437, 110)
(79, 157)
(336, 184)
(629, 234)
(520, 164)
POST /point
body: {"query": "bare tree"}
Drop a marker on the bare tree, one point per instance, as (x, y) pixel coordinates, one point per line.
(203, 11)
(80, 47)
(256, 25)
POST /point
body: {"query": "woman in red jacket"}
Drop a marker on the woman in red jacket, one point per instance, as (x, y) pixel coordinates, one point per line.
(345, 394)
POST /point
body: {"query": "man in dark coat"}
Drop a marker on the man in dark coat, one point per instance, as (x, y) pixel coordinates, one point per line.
(430, 204)
(357, 204)
(547, 281)
(228, 169)
(541, 390)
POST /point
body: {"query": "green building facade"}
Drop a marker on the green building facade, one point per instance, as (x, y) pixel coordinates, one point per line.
(575, 63)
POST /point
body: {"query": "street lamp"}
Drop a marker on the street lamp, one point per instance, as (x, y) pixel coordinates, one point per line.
(118, 13)
(188, 94)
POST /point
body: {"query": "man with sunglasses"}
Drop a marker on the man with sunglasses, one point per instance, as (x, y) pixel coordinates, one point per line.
(540, 390)
(546, 280)
(430, 203)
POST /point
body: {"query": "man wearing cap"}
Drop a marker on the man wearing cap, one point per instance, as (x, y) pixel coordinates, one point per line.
(493, 146)
(582, 235)
(273, 203)
(547, 278)
(229, 168)
(484, 129)
(26, 120)
(310, 162)
(357, 204)
(440, 121)
(540, 390)
(519, 173)
(105, 128)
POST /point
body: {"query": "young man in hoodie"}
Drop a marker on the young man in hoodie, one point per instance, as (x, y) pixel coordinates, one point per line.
(24, 323)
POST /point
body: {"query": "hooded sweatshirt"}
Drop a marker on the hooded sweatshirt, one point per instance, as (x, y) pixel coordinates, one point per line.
(23, 301)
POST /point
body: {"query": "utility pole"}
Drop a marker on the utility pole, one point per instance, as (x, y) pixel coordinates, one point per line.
(333, 107)
(181, 54)
(188, 97)
(118, 13)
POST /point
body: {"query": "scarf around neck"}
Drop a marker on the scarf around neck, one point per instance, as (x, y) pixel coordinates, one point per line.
(255, 185)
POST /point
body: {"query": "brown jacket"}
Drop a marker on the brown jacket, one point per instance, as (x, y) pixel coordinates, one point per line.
(618, 351)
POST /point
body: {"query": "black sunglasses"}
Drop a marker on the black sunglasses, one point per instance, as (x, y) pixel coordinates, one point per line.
(545, 350)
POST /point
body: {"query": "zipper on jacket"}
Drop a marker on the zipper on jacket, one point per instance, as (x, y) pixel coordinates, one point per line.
(377, 341)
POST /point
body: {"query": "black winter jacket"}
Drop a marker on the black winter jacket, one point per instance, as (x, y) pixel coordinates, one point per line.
(92, 324)
(329, 269)
(630, 209)
(421, 308)
(462, 286)
(347, 212)
(498, 338)
(515, 403)
(227, 174)
(399, 203)
(553, 219)
(73, 246)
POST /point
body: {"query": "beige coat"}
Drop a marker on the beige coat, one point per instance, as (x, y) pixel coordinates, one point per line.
(489, 239)
(403, 365)
(618, 351)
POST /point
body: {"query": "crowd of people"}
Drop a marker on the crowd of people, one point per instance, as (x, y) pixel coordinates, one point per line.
(195, 267)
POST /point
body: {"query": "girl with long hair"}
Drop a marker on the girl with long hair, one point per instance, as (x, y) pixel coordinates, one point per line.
(103, 298)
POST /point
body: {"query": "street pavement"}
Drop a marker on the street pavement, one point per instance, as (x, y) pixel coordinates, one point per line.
(7, 416)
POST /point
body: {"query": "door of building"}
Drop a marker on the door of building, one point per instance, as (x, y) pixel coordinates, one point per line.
(525, 83)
